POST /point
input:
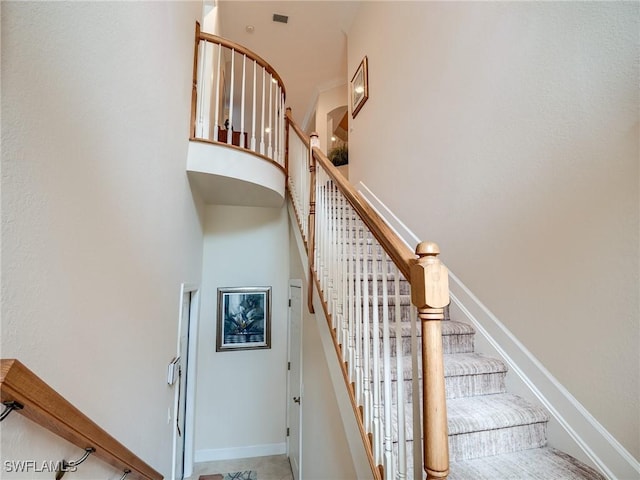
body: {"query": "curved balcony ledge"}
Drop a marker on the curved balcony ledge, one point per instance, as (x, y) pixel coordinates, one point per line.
(228, 175)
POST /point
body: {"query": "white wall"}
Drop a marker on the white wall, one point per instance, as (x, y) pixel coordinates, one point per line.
(325, 450)
(508, 133)
(99, 227)
(327, 101)
(241, 395)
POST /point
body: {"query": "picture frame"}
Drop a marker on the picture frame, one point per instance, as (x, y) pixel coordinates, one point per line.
(360, 87)
(244, 318)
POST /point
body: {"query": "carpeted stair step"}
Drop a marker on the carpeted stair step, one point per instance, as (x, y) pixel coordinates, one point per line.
(535, 464)
(457, 337)
(403, 284)
(469, 374)
(466, 375)
(494, 424)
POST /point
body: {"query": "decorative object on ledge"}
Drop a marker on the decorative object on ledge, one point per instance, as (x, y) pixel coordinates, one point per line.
(360, 87)
(244, 318)
(339, 155)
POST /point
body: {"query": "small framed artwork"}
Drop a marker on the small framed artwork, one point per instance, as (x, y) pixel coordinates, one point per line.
(244, 318)
(359, 87)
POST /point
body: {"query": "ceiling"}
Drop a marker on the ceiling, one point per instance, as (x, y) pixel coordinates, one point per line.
(309, 52)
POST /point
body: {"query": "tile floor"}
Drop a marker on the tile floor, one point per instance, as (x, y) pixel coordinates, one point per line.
(275, 467)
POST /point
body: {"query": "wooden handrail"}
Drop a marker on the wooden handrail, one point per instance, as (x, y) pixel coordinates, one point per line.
(397, 250)
(301, 135)
(208, 37)
(46, 407)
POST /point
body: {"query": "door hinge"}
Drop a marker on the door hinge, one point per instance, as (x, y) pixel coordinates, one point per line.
(288, 365)
(287, 431)
(289, 302)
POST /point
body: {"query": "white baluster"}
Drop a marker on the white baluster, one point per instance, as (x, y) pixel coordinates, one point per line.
(389, 466)
(351, 294)
(276, 125)
(262, 127)
(241, 140)
(401, 474)
(366, 334)
(270, 151)
(203, 46)
(416, 365)
(375, 336)
(253, 115)
(283, 137)
(230, 130)
(358, 317)
(217, 83)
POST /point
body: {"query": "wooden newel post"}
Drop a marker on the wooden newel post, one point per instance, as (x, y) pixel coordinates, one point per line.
(314, 141)
(430, 294)
(194, 88)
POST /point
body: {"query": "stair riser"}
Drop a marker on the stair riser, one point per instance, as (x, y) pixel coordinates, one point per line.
(457, 387)
(458, 343)
(450, 344)
(470, 385)
(494, 442)
(381, 265)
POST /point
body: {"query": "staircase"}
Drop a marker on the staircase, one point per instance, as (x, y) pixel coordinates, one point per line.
(493, 434)
(360, 267)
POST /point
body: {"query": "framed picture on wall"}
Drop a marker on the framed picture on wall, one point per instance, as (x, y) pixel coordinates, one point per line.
(360, 87)
(244, 318)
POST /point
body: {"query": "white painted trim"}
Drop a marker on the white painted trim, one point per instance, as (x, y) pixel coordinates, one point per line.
(189, 422)
(295, 283)
(406, 235)
(582, 435)
(212, 455)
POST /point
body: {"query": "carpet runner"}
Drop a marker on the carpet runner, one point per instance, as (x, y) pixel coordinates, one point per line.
(493, 434)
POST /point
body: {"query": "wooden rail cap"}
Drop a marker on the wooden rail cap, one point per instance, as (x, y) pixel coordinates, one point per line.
(46, 407)
(429, 281)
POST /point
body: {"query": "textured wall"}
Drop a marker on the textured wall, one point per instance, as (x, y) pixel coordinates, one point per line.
(241, 396)
(99, 227)
(508, 133)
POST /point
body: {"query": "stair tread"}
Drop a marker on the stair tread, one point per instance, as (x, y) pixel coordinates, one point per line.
(458, 364)
(491, 412)
(524, 465)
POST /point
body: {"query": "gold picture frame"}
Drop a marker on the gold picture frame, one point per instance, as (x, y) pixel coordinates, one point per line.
(360, 87)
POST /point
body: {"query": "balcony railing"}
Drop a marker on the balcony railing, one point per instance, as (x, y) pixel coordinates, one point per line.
(237, 99)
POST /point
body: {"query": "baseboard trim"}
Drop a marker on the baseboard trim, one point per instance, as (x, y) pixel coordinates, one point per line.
(590, 441)
(212, 455)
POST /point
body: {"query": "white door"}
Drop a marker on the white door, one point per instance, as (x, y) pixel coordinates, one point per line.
(181, 384)
(294, 403)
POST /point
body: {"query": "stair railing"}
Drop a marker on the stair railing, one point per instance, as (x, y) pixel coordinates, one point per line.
(24, 392)
(368, 278)
(237, 98)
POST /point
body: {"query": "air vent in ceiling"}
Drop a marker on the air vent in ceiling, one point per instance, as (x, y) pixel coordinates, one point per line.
(280, 18)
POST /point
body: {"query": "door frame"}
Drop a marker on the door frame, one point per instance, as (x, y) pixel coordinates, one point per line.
(191, 354)
(296, 283)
